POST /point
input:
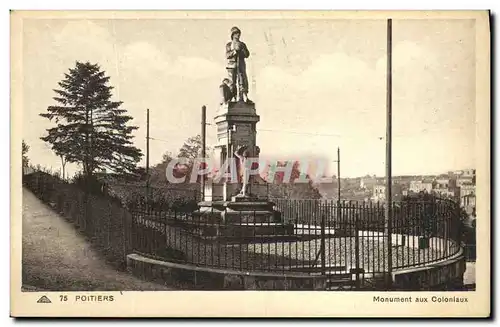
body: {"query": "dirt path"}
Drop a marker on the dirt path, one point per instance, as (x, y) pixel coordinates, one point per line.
(56, 257)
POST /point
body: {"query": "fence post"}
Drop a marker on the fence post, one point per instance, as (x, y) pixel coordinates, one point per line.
(125, 233)
(323, 247)
(356, 246)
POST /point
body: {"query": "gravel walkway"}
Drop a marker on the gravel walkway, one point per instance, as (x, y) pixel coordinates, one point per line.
(371, 253)
(340, 251)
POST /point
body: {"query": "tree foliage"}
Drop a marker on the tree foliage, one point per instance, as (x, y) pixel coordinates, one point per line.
(421, 215)
(25, 150)
(157, 172)
(292, 189)
(191, 148)
(91, 129)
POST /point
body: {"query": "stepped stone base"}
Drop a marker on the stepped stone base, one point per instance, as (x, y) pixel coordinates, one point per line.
(241, 217)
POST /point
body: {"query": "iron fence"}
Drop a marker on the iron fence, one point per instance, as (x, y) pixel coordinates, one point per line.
(308, 236)
(422, 231)
(469, 242)
(102, 219)
(302, 236)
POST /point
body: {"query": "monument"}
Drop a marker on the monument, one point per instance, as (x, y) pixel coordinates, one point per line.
(240, 197)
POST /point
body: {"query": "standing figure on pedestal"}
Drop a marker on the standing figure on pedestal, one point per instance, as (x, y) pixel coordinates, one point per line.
(236, 53)
(242, 154)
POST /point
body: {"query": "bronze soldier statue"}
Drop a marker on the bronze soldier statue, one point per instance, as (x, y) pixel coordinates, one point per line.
(236, 53)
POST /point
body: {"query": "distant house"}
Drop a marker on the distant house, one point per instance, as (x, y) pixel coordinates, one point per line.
(468, 197)
(467, 189)
(367, 182)
(462, 180)
(446, 193)
(378, 193)
(442, 182)
(421, 186)
(468, 202)
(469, 173)
(466, 176)
(445, 187)
(380, 196)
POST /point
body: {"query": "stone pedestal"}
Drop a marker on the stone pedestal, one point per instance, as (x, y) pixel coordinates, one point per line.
(223, 212)
(236, 126)
(222, 191)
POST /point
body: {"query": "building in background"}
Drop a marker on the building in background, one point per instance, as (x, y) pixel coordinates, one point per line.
(379, 192)
(445, 186)
(368, 182)
(466, 184)
(468, 202)
(467, 176)
(421, 186)
(469, 173)
(447, 193)
(442, 182)
(467, 189)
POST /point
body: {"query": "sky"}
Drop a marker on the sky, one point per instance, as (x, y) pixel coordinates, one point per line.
(317, 85)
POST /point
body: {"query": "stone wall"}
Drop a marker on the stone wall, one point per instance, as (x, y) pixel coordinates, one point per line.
(192, 277)
(445, 275)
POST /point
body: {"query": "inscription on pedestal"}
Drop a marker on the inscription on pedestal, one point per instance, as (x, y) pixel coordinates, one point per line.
(244, 129)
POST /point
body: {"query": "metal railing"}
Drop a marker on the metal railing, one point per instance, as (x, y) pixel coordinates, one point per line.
(102, 219)
(422, 231)
(309, 236)
(301, 236)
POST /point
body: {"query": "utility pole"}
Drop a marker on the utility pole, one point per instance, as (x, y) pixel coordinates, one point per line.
(339, 209)
(388, 157)
(147, 157)
(338, 172)
(203, 146)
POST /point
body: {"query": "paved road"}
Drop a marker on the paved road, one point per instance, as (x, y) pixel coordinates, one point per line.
(56, 257)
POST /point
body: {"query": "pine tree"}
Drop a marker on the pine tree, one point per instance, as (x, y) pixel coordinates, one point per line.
(91, 129)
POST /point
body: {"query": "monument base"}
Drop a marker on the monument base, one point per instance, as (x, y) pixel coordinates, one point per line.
(230, 192)
(242, 219)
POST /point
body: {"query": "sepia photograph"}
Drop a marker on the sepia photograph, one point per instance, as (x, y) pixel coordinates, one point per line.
(329, 154)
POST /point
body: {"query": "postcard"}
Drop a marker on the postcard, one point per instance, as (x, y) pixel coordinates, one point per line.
(250, 164)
